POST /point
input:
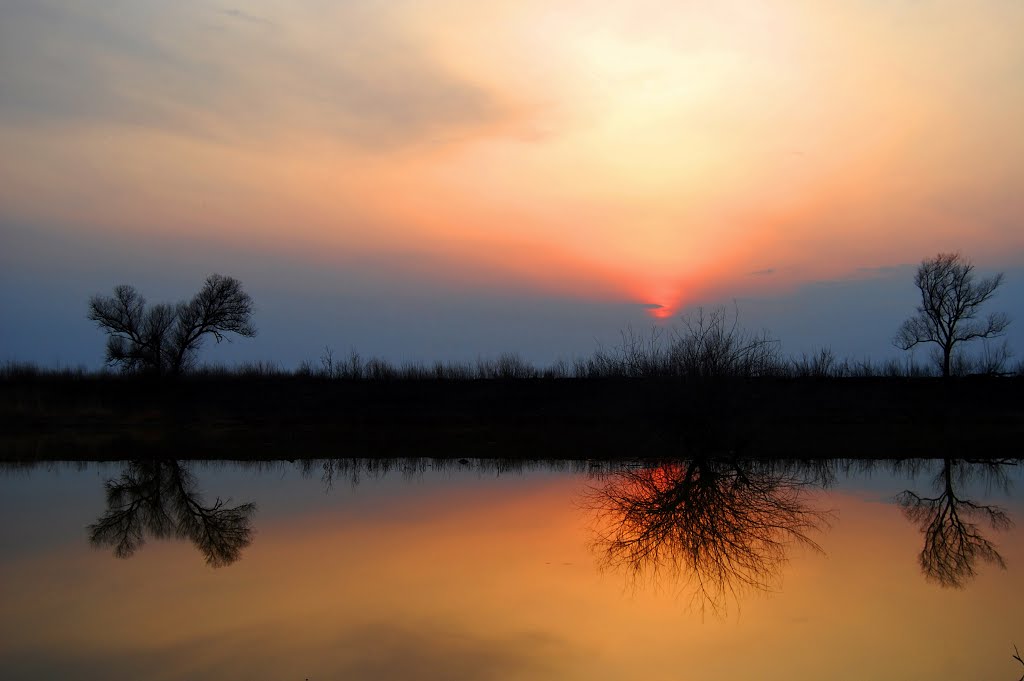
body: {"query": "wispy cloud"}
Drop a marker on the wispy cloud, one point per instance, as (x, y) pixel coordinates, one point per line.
(163, 67)
(885, 270)
(242, 15)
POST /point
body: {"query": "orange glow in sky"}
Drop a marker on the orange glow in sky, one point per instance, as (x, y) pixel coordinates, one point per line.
(653, 152)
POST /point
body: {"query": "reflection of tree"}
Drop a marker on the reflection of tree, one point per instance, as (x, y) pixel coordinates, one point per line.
(725, 526)
(952, 526)
(159, 497)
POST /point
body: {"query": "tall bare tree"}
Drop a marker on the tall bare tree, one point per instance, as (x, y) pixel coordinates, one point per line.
(950, 298)
(165, 338)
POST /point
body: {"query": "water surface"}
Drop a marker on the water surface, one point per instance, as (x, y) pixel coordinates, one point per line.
(422, 569)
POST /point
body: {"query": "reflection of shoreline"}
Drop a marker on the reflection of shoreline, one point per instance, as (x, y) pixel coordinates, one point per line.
(159, 499)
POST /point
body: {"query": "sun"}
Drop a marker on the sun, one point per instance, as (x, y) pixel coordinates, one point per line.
(659, 311)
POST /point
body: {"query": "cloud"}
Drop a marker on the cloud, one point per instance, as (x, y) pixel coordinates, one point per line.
(354, 75)
(389, 651)
(885, 270)
(373, 651)
(763, 273)
(235, 13)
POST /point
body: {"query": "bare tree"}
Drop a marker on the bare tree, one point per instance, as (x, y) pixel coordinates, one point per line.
(165, 338)
(950, 298)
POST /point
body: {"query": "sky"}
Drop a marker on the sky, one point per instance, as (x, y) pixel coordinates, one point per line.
(455, 179)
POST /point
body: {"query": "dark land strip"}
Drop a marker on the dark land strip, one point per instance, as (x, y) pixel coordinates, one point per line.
(95, 417)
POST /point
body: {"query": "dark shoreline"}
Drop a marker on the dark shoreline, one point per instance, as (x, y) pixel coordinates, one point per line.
(50, 417)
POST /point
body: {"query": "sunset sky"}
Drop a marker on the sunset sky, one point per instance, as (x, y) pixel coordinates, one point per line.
(452, 179)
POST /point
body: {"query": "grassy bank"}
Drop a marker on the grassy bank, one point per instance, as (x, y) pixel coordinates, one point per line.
(268, 414)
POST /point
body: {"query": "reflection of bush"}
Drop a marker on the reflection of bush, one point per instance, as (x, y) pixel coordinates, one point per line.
(952, 526)
(159, 497)
(725, 526)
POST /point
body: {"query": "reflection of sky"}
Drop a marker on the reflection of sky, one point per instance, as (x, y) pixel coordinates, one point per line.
(466, 576)
(883, 485)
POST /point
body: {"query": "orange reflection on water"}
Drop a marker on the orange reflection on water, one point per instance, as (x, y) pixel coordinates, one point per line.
(494, 580)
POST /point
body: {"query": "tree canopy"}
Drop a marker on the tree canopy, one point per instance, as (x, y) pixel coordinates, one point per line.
(165, 338)
(948, 314)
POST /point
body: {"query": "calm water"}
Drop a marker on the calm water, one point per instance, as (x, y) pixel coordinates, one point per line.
(430, 570)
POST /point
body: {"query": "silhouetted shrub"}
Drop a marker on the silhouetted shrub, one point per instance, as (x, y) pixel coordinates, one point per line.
(822, 364)
(711, 344)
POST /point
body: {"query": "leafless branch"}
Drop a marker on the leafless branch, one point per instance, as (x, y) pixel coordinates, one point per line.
(950, 298)
(165, 338)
